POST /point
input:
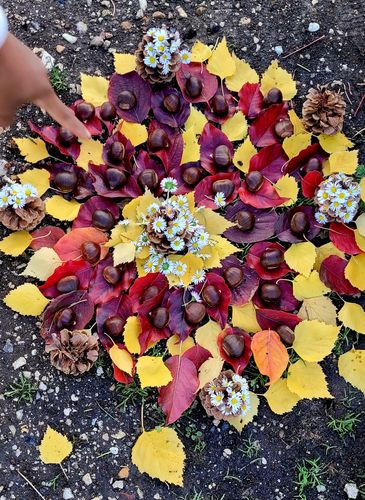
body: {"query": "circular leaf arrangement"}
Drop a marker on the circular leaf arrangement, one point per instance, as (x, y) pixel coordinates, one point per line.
(207, 218)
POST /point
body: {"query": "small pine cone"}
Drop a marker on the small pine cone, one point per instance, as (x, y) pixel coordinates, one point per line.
(205, 398)
(155, 75)
(26, 218)
(323, 111)
(73, 353)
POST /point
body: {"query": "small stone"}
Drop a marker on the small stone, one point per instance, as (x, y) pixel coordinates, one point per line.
(119, 435)
(87, 479)
(8, 347)
(60, 49)
(18, 363)
(67, 412)
(227, 452)
(351, 490)
(200, 10)
(81, 27)
(321, 488)
(42, 386)
(313, 27)
(114, 450)
(67, 494)
(157, 496)
(181, 11)
(123, 473)
(96, 41)
(279, 50)
(19, 414)
(263, 461)
(245, 20)
(158, 15)
(118, 485)
(126, 25)
(69, 38)
(255, 39)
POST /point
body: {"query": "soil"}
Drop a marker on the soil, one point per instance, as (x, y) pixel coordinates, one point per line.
(86, 408)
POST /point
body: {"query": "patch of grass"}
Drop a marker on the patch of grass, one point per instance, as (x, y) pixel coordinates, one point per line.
(196, 495)
(130, 394)
(230, 477)
(255, 379)
(52, 483)
(344, 426)
(345, 339)
(196, 436)
(22, 390)
(348, 397)
(250, 447)
(310, 474)
(58, 78)
(104, 362)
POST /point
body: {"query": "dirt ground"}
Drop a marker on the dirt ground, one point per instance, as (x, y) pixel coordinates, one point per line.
(261, 464)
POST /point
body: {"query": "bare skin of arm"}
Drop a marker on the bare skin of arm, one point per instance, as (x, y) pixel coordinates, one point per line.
(23, 79)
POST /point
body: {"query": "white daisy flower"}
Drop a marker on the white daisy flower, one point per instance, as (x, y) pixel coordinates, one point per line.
(151, 32)
(220, 199)
(217, 398)
(152, 209)
(198, 277)
(17, 201)
(150, 265)
(234, 402)
(143, 239)
(169, 185)
(321, 217)
(166, 266)
(4, 198)
(165, 58)
(225, 382)
(185, 56)
(150, 48)
(160, 36)
(182, 202)
(322, 195)
(150, 61)
(212, 388)
(159, 224)
(196, 296)
(124, 222)
(29, 190)
(180, 268)
(347, 216)
(341, 195)
(175, 45)
(170, 233)
(178, 244)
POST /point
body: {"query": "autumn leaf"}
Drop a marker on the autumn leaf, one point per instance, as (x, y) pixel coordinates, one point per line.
(209, 370)
(123, 253)
(16, 243)
(160, 454)
(54, 447)
(176, 347)
(196, 120)
(240, 422)
(33, 150)
(325, 251)
(294, 144)
(296, 122)
(206, 336)
(321, 308)
(152, 372)
(122, 359)
(270, 354)
(334, 143)
(307, 287)
(243, 155)
(62, 209)
(94, 89)
(279, 78)
(245, 317)
(280, 399)
(42, 264)
(38, 177)
(200, 52)
(351, 367)
(243, 74)
(344, 162)
(124, 63)
(131, 333)
(212, 221)
(360, 224)
(301, 257)
(26, 299)
(135, 132)
(352, 316)
(287, 187)
(307, 380)
(355, 271)
(221, 62)
(90, 150)
(235, 127)
(314, 340)
(191, 151)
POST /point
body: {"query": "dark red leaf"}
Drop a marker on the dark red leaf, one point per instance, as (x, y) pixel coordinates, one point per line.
(174, 120)
(120, 306)
(310, 183)
(270, 162)
(204, 195)
(253, 260)
(271, 319)
(69, 246)
(282, 227)
(332, 274)
(46, 236)
(262, 130)
(170, 156)
(130, 190)
(51, 135)
(295, 164)
(134, 83)
(80, 268)
(150, 333)
(265, 197)
(137, 293)
(210, 139)
(178, 324)
(210, 82)
(220, 312)
(197, 354)
(343, 238)
(287, 301)
(240, 363)
(94, 125)
(251, 100)
(85, 215)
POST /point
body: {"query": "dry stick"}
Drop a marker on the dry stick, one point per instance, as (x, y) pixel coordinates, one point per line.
(304, 46)
(31, 485)
(360, 104)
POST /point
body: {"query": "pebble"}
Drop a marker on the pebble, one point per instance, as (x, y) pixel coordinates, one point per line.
(245, 20)
(321, 488)
(67, 494)
(87, 479)
(8, 347)
(227, 452)
(181, 11)
(263, 461)
(158, 15)
(69, 38)
(313, 27)
(18, 363)
(200, 10)
(126, 25)
(81, 27)
(42, 386)
(118, 485)
(60, 48)
(19, 414)
(96, 41)
(279, 50)
(114, 450)
(351, 490)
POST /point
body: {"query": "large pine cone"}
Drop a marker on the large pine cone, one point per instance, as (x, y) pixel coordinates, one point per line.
(154, 75)
(26, 218)
(74, 352)
(323, 111)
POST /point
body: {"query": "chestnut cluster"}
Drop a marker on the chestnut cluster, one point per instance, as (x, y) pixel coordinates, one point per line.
(195, 311)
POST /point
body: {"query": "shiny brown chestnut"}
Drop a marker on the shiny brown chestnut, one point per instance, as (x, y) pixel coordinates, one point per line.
(65, 181)
(103, 219)
(195, 312)
(85, 111)
(211, 296)
(116, 152)
(272, 258)
(149, 293)
(312, 164)
(274, 96)
(108, 111)
(66, 137)
(126, 100)
(193, 87)
(270, 292)
(222, 156)
(224, 186)
(219, 105)
(157, 140)
(254, 180)
(192, 175)
(159, 317)
(148, 179)
(286, 334)
(172, 103)
(65, 318)
(68, 284)
(233, 345)
(233, 276)
(245, 220)
(299, 223)
(284, 128)
(115, 178)
(114, 325)
(112, 274)
(90, 251)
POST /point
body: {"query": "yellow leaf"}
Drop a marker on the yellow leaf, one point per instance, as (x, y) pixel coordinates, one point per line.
(123, 253)
(94, 89)
(279, 398)
(193, 263)
(176, 347)
(206, 336)
(243, 74)
(121, 358)
(362, 187)
(223, 246)
(307, 287)
(62, 209)
(287, 187)
(279, 78)
(360, 240)
(245, 317)
(90, 151)
(352, 316)
(294, 144)
(355, 271)
(135, 132)
(301, 257)
(191, 150)
(212, 221)
(209, 370)
(196, 119)
(160, 454)
(221, 62)
(296, 122)
(321, 308)
(200, 52)
(334, 143)
(153, 372)
(307, 380)
(240, 422)
(235, 127)
(344, 162)
(360, 224)
(54, 447)
(38, 177)
(33, 150)
(15, 243)
(42, 264)
(243, 155)
(131, 333)
(326, 171)
(27, 300)
(351, 367)
(314, 340)
(124, 63)
(325, 251)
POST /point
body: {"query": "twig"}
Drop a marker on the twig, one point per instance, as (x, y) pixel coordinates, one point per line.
(359, 132)
(303, 67)
(31, 484)
(106, 412)
(304, 46)
(360, 104)
(113, 4)
(64, 472)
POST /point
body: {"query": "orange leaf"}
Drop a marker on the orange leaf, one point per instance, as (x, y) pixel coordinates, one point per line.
(270, 354)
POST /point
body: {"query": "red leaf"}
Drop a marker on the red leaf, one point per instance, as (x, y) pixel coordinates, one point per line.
(69, 246)
(332, 274)
(310, 183)
(262, 131)
(218, 313)
(197, 354)
(344, 238)
(210, 82)
(179, 394)
(46, 236)
(251, 100)
(265, 197)
(272, 319)
(270, 162)
(237, 363)
(253, 260)
(79, 268)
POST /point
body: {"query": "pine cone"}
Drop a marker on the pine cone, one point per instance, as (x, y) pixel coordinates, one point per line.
(159, 240)
(26, 218)
(155, 75)
(74, 352)
(323, 111)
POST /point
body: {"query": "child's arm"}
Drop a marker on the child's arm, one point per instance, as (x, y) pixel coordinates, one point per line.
(24, 79)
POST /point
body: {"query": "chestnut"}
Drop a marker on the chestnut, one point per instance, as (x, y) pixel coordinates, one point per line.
(65, 318)
(116, 152)
(219, 105)
(114, 325)
(284, 128)
(103, 219)
(222, 156)
(195, 312)
(65, 181)
(158, 140)
(233, 345)
(245, 220)
(68, 284)
(115, 178)
(85, 111)
(66, 137)
(112, 274)
(148, 179)
(172, 103)
(211, 296)
(126, 100)
(233, 276)
(254, 180)
(192, 175)
(224, 186)
(274, 96)
(312, 164)
(286, 334)
(159, 317)
(270, 292)
(108, 111)
(193, 87)
(272, 258)
(299, 223)
(90, 251)
(149, 293)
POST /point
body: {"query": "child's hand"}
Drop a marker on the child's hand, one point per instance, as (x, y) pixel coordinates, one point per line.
(24, 79)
